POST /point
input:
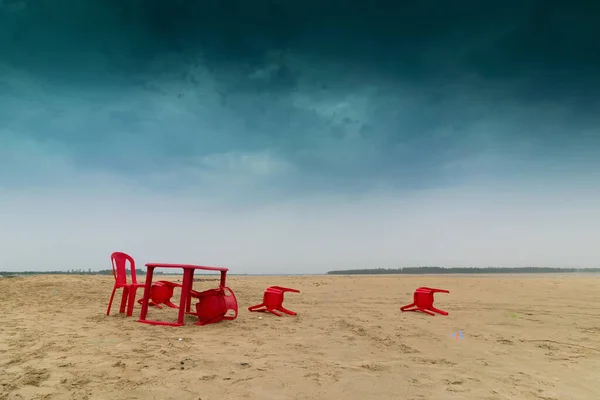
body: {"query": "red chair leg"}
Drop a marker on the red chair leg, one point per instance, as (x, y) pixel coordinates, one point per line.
(274, 312)
(437, 310)
(188, 306)
(169, 304)
(150, 303)
(112, 296)
(256, 307)
(285, 310)
(124, 297)
(131, 301)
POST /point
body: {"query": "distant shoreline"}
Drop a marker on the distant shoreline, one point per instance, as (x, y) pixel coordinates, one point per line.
(464, 271)
(357, 272)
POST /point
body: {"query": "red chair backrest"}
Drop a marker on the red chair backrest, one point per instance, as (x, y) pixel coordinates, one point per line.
(119, 266)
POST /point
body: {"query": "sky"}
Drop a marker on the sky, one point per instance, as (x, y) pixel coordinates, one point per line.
(299, 137)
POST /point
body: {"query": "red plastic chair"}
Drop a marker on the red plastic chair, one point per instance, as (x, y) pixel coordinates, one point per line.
(423, 301)
(119, 265)
(273, 301)
(214, 304)
(161, 293)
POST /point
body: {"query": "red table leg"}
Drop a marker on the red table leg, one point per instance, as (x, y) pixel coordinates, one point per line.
(185, 293)
(189, 300)
(223, 278)
(147, 290)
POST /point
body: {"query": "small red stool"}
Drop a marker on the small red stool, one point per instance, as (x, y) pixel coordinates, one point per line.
(161, 293)
(423, 301)
(273, 301)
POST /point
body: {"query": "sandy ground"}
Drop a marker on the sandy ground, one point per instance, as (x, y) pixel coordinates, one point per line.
(523, 337)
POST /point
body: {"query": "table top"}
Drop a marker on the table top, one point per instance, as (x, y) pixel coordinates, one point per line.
(187, 266)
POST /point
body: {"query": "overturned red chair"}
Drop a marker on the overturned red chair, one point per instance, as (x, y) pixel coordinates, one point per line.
(214, 305)
(423, 301)
(161, 293)
(273, 301)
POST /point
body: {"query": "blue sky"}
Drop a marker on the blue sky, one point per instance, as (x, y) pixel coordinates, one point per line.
(275, 138)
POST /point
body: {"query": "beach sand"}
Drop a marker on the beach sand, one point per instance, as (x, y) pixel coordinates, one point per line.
(523, 337)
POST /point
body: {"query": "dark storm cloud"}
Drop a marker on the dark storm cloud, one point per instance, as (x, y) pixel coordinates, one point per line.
(345, 92)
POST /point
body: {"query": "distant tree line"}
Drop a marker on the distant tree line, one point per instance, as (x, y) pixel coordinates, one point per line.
(138, 271)
(460, 270)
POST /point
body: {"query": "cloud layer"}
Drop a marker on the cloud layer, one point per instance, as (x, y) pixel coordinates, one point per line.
(239, 128)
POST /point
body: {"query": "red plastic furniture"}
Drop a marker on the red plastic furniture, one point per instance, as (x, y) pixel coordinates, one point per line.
(214, 304)
(423, 301)
(119, 266)
(273, 301)
(161, 293)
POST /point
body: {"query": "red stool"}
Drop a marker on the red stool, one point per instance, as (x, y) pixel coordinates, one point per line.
(161, 293)
(273, 301)
(423, 301)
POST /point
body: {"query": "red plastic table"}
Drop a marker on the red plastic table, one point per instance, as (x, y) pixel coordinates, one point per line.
(185, 301)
